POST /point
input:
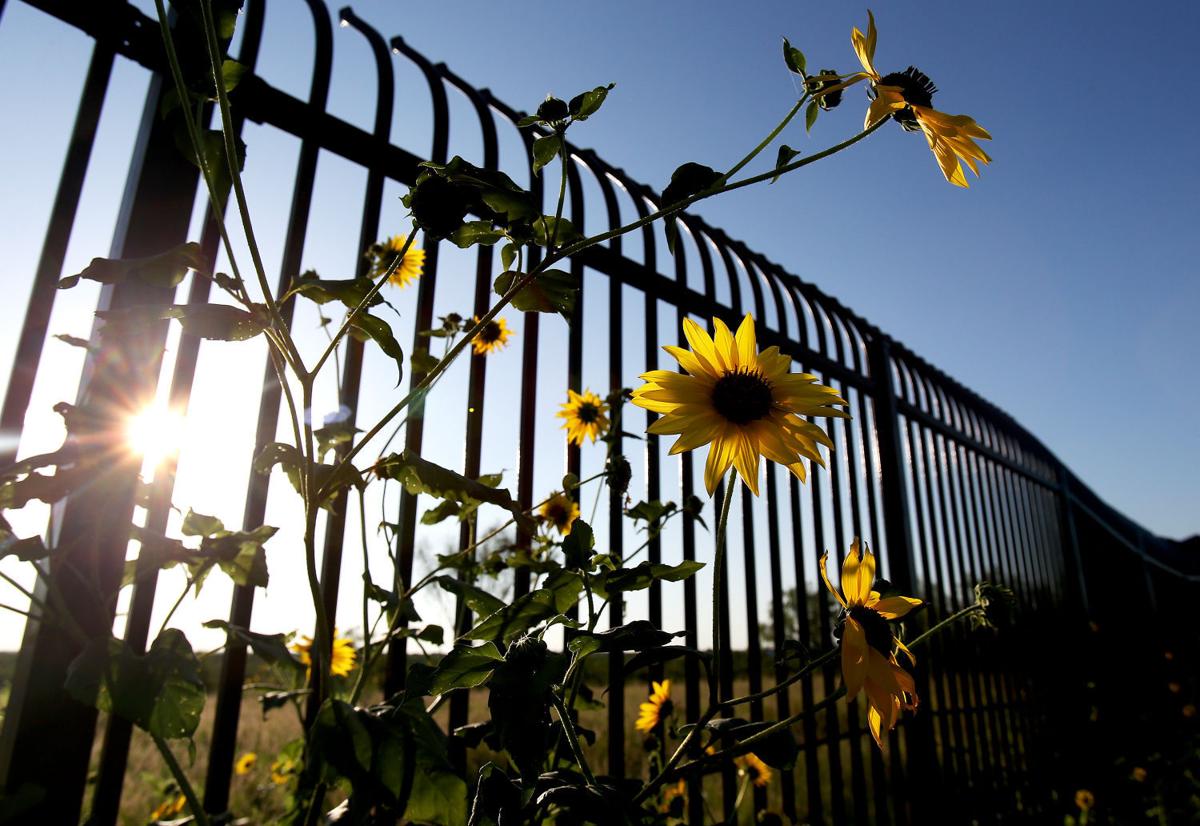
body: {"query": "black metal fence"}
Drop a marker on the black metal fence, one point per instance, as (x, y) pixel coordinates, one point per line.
(948, 489)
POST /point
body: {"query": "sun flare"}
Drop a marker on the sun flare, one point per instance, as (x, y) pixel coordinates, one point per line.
(155, 434)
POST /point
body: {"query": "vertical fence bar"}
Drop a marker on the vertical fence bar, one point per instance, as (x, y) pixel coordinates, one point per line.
(47, 735)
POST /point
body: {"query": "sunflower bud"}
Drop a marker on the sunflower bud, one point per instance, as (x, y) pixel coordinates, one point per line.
(439, 206)
(553, 110)
(823, 80)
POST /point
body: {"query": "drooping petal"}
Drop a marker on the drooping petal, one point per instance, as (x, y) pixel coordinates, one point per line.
(854, 657)
(864, 45)
(891, 608)
(825, 577)
(720, 457)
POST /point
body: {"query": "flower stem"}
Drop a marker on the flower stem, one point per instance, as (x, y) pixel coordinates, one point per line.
(767, 140)
(185, 786)
(957, 615)
(719, 644)
(569, 731)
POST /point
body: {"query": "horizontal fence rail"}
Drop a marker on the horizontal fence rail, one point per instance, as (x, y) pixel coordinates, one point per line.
(948, 489)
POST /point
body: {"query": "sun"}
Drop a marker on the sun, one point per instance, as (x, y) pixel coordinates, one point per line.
(155, 434)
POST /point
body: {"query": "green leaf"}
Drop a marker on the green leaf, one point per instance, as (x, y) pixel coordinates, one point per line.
(219, 322)
(545, 150)
(519, 702)
(786, 153)
(645, 574)
(27, 550)
(349, 291)
(778, 750)
(475, 232)
(422, 476)
(544, 230)
(212, 146)
(810, 115)
(232, 73)
(560, 593)
(577, 546)
(465, 667)
(793, 57)
(162, 691)
(334, 434)
(335, 478)
(551, 291)
(363, 325)
(585, 105)
(440, 512)
(508, 254)
(272, 648)
(655, 656)
(239, 554)
(167, 269)
(74, 341)
(421, 362)
(688, 180)
(197, 524)
(638, 635)
(477, 599)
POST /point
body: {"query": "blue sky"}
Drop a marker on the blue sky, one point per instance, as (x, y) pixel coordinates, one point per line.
(1061, 286)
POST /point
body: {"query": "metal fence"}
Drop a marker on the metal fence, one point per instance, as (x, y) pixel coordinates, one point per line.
(948, 489)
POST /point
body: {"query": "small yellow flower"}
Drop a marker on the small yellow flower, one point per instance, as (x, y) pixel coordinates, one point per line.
(758, 771)
(868, 645)
(342, 660)
(678, 790)
(1084, 799)
(742, 403)
(283, 769)
(585, 417)
(245, 763)
(907, 97)
(411, 267)
(169, 808)
(493, 337)
(657, 709)
(1139, 774)
(1174, 687)
(560, 512)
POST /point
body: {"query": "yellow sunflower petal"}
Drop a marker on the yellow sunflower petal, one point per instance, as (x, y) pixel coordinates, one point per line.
(825, 577)
(891, 608)
(858, 573)
(855, 653)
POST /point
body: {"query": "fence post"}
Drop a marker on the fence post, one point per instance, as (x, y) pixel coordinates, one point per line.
(47, 737)
(921, 769)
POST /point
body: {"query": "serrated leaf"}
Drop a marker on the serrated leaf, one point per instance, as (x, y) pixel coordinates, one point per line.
(560, 593)
(475, 232)
(478, 600)
(638, 635)
(440, 512)
(465, 667)
(422, 476)
(218, 322)
(197, 524)
(272, 648)
(349, 291)
(167, 269)
(645, 574)
(552, 291)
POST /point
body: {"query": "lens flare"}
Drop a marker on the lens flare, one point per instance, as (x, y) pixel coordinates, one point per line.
(155, 434)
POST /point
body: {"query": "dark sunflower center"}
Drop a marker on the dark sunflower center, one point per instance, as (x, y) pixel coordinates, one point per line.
(588, 412)
(556, 512)
(917, 89)
(666, 709)
(490, 333)
(879, 635)
(743, 396)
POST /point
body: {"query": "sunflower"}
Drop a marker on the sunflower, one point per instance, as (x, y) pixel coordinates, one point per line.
(283, 768)
(585, 417)
(1084, 799)
(168, 809)
(908, 98)
(410, 268)
(560, 511)
(677, 791)
(494, 336)
(245, 763)
(754, 768)
(657, 708)
(341, 662)
(868, 645)
(745, 403)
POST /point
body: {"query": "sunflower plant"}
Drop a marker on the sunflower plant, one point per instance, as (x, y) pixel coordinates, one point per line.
(357, 761)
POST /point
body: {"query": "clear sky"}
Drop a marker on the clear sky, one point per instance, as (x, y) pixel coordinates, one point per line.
(1061, 286)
